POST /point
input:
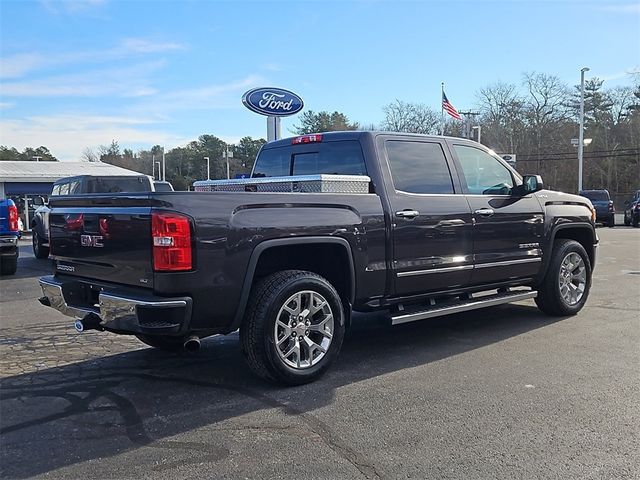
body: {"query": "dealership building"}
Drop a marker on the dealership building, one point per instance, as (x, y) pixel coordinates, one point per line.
(22, 181)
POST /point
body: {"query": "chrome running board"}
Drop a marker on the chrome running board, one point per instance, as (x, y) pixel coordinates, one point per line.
(460, 306)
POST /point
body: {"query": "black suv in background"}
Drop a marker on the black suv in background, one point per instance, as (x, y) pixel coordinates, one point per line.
(632, 210)
(601, 200)
(82, 184)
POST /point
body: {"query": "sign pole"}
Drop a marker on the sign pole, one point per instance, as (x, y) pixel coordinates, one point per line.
(273, 129)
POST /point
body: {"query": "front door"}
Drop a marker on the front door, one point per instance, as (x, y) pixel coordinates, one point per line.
(508, 229)
(432, 229)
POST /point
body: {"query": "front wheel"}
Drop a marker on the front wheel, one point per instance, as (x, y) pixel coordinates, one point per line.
(635, 220)
(294, 327)
(39, 250)
(566, 284)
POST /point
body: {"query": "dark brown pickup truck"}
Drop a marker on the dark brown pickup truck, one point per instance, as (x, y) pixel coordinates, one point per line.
(328, 224)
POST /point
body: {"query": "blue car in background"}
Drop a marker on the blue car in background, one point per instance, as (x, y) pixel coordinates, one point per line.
(601, 200)
(9, 235)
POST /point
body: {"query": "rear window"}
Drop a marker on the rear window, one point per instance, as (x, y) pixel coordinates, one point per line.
(116, 185)
(338, 158)
(596, 195)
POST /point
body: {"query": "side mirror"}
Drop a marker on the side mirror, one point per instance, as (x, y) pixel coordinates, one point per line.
(532, 183)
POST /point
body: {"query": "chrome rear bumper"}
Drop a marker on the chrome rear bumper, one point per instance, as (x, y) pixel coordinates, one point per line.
(118, 311)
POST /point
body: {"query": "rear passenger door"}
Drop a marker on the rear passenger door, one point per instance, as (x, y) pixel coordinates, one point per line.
(507, 228)
(431, 220)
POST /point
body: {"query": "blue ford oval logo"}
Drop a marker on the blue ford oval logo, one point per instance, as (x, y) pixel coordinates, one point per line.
(273, 102)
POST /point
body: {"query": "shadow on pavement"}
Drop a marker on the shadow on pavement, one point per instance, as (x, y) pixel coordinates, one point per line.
(100, 408)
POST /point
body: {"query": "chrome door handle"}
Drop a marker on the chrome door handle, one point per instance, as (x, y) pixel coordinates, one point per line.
(485, 212)
(407, 213)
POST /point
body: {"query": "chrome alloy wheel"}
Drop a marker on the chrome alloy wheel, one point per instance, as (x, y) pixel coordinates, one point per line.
(572, 278)
(303, 329)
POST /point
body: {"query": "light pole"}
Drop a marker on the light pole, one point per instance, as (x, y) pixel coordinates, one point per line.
(208, 170)
(581, 135)
(164, 171)
(158, 163)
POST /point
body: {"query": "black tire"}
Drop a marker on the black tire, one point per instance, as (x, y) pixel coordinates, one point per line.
(635, 221)
(163, 342)
(549, 298)
(39, 250)
(612, 222)
(8, 265)
(258, 342)
(627, 221)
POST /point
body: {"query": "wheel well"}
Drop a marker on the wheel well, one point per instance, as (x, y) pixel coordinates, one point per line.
(332, 261)
(583, 236)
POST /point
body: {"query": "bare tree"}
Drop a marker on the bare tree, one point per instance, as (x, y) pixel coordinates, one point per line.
(410, 117)
(89, 155)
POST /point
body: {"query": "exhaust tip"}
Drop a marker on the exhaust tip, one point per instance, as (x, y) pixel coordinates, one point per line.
(79, 326)
(192, 344)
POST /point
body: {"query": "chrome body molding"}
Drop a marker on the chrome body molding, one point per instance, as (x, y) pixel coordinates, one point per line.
(507, 263)
(435, 270)
(504, 263)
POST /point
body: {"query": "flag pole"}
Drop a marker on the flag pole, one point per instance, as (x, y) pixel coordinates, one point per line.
(442, 109)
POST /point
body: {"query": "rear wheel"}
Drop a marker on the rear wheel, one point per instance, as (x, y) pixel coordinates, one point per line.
(39, 250)
(566, 284)
(635, 220)
(8, 265)
(163, 342)
(294, 327)
(612, 222)
(627, 220)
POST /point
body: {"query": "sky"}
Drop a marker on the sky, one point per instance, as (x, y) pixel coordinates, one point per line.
(76, 74)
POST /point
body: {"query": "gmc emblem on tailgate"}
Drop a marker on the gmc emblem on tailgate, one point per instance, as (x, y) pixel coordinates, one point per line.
(91, 241)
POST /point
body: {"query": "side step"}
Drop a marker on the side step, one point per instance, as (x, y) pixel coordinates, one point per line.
(461, 306)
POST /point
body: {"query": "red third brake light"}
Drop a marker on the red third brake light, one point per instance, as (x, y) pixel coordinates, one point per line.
(171, 233)
(316, 138)
(13, 218)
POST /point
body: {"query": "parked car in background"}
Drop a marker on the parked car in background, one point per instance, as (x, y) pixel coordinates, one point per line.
(632, 210)
(9, 235)
(161, 186)
(79, 185)
(605, 210)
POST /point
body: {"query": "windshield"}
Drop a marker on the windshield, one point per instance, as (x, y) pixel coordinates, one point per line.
(117, 185)
(597, 195)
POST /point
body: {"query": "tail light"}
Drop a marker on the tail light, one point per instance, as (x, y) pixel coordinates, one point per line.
(74, 222)
(13, 218)
(307, 139)
(171, 233)
(611, 206)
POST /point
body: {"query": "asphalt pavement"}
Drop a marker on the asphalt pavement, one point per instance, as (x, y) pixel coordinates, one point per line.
(504, 392)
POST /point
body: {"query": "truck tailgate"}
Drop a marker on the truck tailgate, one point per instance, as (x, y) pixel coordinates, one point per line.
(111, 243)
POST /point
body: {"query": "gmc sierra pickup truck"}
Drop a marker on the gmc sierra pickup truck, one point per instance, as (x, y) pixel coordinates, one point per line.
(327, 224)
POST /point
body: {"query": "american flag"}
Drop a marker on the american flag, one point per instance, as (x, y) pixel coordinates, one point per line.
(450, 109)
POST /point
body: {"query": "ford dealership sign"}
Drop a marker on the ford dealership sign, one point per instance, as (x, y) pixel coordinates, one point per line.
(272, 102)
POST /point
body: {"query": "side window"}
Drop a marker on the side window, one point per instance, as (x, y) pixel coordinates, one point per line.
(74, 187)
(55, 190)
(419, 167)
(64, 189)
(484, 174)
